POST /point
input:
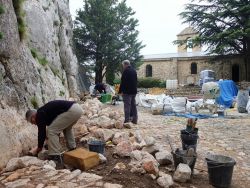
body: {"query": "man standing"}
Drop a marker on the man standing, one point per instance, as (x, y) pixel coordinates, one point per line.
(128, 89)
(59, 116)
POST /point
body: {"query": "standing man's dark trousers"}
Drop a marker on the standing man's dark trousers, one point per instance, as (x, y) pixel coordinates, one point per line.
(130, 108)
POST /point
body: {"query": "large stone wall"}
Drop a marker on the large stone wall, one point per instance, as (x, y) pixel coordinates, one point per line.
(23, 80)
(162, 69)
(180, 68)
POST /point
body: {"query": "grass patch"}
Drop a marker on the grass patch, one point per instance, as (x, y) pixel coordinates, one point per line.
(34, 102)
(55, 71)
(62, 93)
(1, 12)
(42, 61)
(1, 9)
(34, 53)
(56, 23)
(18, 6)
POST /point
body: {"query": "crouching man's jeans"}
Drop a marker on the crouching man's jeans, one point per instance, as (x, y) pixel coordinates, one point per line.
(130, 110)
(63, 123)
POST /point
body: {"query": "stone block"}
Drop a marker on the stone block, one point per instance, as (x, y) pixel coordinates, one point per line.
(81, 159)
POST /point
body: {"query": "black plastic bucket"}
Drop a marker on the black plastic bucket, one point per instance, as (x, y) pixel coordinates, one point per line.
(189, 139)
(220, 170)
(180, 157)
(96, 146)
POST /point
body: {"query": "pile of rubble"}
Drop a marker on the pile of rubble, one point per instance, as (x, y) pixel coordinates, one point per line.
(101, 116)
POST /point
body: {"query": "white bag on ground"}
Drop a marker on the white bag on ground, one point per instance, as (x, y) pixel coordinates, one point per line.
(242, 100)
(179, 105)
(248, 106)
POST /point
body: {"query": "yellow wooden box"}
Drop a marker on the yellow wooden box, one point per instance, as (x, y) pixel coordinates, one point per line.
(81, 158)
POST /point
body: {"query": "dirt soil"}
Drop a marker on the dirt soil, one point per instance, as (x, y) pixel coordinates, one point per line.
(135, 180)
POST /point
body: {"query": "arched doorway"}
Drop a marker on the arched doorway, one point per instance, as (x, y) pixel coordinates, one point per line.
(236, 73)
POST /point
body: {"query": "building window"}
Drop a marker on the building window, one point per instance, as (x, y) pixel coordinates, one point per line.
(149, 71)
(194, 68)
(189, 45)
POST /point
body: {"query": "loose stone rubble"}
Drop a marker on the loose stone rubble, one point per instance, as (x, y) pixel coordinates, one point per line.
(146, 146)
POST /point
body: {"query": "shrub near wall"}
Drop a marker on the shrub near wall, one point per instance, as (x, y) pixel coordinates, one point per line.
(150, 83)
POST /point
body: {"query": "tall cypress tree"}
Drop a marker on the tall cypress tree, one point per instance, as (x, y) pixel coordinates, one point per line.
(104, 35)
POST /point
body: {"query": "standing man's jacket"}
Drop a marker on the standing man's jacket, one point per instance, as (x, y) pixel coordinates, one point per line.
(129, 81)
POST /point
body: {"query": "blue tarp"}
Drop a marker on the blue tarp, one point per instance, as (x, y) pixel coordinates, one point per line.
(228, 91)
(198, 116)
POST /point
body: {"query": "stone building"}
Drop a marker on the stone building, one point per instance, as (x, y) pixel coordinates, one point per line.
(186, 64)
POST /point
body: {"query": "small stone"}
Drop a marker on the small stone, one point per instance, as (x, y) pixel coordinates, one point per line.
(13, 177)
(88, 177)
(138, 136)
(152, 176)
(73, 174)
(150, 168)
(164, 157)
(242, 154)
(120, 166)
(196, 172)
(165, 181)
(109, 185)
(49, 167)
(119, 124)
(13, 164)
(18, 183)
(151, 149)
(106, 135)
(51, 173)
(43, 155)
(149, 141)
(119, 137)
(136, 154)
(123, 149)
(128, 125)
(182, 173)
(66, 184)
(40, 185)
(102, 158)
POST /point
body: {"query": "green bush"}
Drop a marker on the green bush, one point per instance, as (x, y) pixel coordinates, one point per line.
(62, 93)
(117, 81)
(1, 12)
(42, 61)
(34, 53)
(18, 6)
(1, 9)
(34, 102)
(150, 82)
(56, 23)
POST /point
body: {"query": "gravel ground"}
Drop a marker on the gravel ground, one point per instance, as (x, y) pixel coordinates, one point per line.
(228, 136)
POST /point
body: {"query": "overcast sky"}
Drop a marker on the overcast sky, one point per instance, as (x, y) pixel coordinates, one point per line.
(159, 22)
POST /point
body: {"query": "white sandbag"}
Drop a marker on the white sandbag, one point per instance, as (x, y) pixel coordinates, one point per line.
(179, 104)
(242, 100)
(248, 106)
(157, 109)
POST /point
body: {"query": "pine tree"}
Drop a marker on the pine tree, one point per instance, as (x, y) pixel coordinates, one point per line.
(223, 26)
(104, 35)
